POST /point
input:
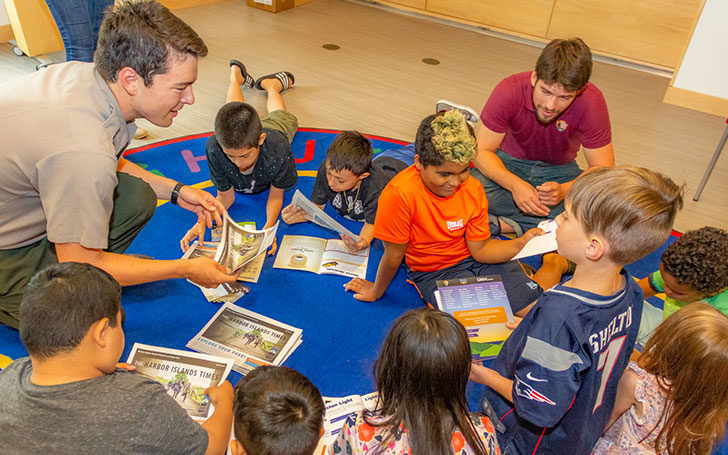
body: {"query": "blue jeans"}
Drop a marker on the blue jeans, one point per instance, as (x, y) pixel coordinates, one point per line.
(78, 22)
(500, 200)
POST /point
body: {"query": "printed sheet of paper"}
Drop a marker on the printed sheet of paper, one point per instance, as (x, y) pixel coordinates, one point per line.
(184, 374)
(540, 244)
(250, 339)
(225, 292)
(240, 244)
(318, 216)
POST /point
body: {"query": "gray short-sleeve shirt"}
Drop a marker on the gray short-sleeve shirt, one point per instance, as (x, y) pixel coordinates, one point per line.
(63, 133)
(114, 413)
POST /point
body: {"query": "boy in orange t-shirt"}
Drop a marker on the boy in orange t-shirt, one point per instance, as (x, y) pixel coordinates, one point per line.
(436, 216)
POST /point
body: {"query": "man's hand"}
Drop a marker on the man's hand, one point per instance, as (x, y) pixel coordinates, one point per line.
(208, 273)
(528, 199)
(551, 193)
(363, 289)
(293, 214)
(204, 204)
(220, 394)
(196, 231)
(352, 245)
(273, 247)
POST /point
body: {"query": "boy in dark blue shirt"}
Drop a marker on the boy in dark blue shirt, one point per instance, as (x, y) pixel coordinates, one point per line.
(248, 154)
(554, 382)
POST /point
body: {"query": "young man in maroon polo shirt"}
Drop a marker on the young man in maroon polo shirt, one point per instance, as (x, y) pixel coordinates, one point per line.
(534, 125)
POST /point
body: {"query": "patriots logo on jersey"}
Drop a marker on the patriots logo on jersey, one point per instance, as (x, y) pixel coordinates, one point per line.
(526, 391)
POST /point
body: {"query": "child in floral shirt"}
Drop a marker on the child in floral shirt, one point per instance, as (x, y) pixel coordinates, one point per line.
(421, 374)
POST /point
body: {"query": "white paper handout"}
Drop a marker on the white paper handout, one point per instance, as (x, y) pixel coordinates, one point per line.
(540, 244)
(318, 216)
(241, 244)
(184, 374)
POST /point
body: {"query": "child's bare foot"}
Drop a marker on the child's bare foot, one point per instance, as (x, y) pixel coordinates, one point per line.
(558, 262)
(239, 75)
(276, 83)
(236, 76)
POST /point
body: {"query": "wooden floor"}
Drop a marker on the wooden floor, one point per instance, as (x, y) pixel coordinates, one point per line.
(377, 83)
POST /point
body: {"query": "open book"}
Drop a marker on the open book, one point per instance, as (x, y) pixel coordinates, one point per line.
(312, 254)
(481, 305)
(250, 339)
(184, 374)
(318, 216)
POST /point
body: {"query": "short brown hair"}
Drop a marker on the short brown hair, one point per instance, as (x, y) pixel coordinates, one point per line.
(565, 62)
(631, 207)
(352, 151)
(143, 35)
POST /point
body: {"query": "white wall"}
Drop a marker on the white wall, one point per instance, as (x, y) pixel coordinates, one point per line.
(3, 15)
(705, 65)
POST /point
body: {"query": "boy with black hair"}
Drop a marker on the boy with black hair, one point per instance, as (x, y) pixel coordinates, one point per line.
(693, 268)
(435, 216)
(351, 182)
(278, 411)
(554, 383)
(248, 154)
(68, 397)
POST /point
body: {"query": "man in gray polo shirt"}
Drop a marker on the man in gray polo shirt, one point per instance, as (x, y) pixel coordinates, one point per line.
(66, 194)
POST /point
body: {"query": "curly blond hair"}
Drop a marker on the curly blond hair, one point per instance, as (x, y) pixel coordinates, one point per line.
(445, 137)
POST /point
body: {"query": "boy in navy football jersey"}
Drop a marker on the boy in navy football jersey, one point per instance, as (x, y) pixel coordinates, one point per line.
(554, 382)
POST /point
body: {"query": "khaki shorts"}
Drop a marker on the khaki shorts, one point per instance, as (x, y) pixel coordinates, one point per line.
(282, 121)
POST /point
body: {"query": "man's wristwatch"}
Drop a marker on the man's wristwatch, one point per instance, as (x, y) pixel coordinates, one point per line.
(175, 193)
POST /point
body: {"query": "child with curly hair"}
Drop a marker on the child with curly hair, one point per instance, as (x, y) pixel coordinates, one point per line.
(670, 401)
(694, 268)
(435, 215)
(421, 375)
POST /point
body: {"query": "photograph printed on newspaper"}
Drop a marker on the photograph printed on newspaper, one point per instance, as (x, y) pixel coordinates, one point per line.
(185, 375)
(250, 339)
(241, 244)
(225, 292)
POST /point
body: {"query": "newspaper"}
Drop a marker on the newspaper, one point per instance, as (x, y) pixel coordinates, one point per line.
(250, 271)
(184, 374)
(241, 244)
(541, 243)
(313, 254)
(318, 216)
(250, 339)
(225, 292)
(337, 411)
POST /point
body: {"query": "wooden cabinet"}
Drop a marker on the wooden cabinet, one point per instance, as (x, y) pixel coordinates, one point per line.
(651, 31)
(530, 17)
(33, 26)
